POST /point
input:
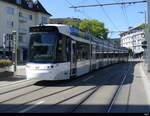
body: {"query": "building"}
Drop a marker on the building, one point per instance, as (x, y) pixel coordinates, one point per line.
(63, 20)
(19, 15)
(132, 39)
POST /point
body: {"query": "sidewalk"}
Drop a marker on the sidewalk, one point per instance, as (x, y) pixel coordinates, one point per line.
(20, 76)
(144, 66)
(134, 97)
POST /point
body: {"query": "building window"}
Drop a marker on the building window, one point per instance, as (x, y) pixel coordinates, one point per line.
(20, 38)
(30, 4)
(10, 24)
(20, 14)
(18, 1)
(30, 17)
(44, 20)
(9, 10)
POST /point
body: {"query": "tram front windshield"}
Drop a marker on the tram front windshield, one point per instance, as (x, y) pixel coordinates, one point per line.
(42, 47)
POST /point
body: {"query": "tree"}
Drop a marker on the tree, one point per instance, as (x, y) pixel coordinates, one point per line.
(74, 24)
(142, 26)
(93, 27)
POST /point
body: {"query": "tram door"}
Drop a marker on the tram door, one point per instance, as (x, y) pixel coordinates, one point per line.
(73, 59)
(93, 57)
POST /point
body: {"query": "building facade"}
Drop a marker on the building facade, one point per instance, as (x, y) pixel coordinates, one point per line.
(63, 20)
(19, 15)
(132, 39)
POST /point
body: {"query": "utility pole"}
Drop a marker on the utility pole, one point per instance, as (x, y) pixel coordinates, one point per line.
(14, 33)
(146, 32)
(148, 35)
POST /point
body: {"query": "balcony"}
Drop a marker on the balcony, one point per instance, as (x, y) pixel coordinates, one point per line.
(22, 19)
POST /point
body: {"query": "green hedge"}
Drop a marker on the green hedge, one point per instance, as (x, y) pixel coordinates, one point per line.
(4, 63)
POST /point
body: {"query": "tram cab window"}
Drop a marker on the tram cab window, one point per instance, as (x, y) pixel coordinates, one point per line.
(42, 47)
(62, 49)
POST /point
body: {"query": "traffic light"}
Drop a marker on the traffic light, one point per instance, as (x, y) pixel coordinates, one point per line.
(144, 44)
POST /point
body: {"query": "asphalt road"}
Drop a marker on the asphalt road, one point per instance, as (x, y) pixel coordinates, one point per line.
(118, 88)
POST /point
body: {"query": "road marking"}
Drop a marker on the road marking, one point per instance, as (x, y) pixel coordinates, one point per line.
(31, 107)
(92, 76)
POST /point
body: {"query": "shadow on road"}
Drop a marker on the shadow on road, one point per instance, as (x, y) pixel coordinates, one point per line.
(13, 79)
(101, 75)
(61, 107)
(48, 108)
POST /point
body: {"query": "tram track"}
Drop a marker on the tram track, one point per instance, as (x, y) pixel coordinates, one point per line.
(118, 90)
(30, 83)
(93, 89)
(87, 97)
(90, 90)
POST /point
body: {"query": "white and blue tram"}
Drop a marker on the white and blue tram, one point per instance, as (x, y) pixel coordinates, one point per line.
(60, 52)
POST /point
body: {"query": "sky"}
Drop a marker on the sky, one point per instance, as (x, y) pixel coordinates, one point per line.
(116, 18)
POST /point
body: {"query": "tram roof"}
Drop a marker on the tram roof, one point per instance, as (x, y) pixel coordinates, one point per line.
(68, 30)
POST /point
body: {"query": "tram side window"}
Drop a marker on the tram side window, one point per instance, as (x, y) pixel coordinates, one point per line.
(97, 55)
(61, 50)
(117, 55)
(83, 51)
(105, 55)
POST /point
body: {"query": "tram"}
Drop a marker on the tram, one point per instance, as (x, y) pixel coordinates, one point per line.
(60, 52)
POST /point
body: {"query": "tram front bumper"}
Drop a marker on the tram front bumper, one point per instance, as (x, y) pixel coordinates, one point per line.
(39, 74)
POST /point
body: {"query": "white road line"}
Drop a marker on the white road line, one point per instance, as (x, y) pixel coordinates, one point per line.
(31, 107)
(88, 78)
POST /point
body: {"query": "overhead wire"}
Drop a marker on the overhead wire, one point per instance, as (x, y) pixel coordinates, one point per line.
(124, 10)
(106, 14)
(69, 2)
(78, 10)
(85, 15)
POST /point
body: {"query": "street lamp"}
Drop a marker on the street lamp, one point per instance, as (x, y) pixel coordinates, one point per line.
(148, 35)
